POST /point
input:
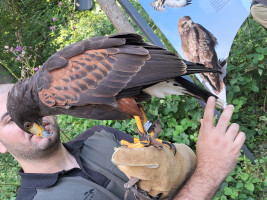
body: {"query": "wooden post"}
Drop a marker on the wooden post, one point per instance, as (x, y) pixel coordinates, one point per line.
(116, 16)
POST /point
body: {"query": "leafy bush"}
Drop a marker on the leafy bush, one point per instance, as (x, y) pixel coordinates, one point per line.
(246, 181)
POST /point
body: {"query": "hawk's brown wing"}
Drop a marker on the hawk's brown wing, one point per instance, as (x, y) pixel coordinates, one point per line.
(93, 71)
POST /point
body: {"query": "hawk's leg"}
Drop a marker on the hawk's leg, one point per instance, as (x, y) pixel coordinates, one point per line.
(146, 139)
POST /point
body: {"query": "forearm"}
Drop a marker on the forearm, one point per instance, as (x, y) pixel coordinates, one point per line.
(199, 186)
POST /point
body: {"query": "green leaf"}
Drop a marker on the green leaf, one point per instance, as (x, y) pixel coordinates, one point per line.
(239, 185)
(250, 186)
(265, 182)
(243, 196)
(234, 194)
(236, 88)
(229, 179)
(260, 57)
(235, 101)
(244, 176)
(254, 88)
(227, 191)
(255, 180)
(260, 71)
(260, 50)
(233, 81)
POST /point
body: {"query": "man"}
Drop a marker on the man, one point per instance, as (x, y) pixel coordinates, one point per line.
(81, 169)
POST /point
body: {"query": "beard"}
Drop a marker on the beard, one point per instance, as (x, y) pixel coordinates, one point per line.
(38, 148)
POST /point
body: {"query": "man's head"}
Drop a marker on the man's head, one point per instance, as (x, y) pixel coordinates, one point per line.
(20, 144)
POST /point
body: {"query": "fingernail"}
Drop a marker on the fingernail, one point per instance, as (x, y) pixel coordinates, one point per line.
(230, 105)
(211, 99)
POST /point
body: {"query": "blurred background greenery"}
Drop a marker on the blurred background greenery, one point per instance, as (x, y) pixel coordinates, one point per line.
(31, 31)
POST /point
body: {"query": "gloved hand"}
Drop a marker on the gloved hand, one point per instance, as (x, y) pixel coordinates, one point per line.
(160, 172)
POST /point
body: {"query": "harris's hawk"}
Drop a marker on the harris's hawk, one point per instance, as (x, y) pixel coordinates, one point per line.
(103, 78)
(198, 45)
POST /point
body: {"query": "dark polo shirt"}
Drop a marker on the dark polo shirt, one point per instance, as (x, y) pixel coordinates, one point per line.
(97, 178)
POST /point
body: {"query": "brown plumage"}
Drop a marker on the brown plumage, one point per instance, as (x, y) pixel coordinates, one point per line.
(100, 78)
(198, 45)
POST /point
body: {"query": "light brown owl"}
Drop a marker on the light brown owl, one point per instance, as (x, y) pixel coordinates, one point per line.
(198, 45)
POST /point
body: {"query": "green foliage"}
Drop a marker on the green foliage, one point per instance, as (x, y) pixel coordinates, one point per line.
(46, 26)
(73, 26)
(29, 28)
(41, 28)
(246, 181)
(247, 78)
(9, 178)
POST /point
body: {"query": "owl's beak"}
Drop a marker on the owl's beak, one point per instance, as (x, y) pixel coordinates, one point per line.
(39, 131)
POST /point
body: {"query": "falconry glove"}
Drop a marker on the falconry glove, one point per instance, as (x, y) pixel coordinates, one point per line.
(158, 172)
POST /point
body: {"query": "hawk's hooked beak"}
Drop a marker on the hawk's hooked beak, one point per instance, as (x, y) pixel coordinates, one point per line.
(39, 131)
(189, 22)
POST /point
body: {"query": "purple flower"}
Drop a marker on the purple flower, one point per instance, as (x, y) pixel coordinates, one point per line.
(54, 19)
(36, 69)
(11, 49)
(52, 27)
(18, 58)
(18, 48)
(74, 27)
(60, 3)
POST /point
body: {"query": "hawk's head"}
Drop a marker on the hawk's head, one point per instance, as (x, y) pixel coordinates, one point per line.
(23, 108)
(184, 24)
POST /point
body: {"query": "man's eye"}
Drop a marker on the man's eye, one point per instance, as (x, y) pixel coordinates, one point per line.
(9, 120)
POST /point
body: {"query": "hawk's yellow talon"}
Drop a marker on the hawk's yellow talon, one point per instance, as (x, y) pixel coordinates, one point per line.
(125, 143)
(136, 140)
(159, 140)
(133, 145)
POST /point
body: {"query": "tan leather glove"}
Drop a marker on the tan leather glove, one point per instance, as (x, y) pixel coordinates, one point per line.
(160, 172)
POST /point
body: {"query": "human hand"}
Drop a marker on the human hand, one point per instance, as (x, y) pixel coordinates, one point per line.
(159, 171)
(217, 153)
(218, 147)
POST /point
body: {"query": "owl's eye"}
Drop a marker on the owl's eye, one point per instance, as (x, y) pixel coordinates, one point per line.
(27, 125)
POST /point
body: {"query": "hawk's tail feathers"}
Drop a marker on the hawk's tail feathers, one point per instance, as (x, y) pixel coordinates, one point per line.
(181, 86)
(193, 68)
(194, 90)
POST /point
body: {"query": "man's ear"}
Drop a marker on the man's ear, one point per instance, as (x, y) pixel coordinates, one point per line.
(3, 149)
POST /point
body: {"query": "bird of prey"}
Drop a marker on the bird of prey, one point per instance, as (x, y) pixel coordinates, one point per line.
(159, 5)
(103, 78)
(198, 45)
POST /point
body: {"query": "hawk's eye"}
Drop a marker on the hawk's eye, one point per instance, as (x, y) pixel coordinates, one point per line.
(27, 125)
